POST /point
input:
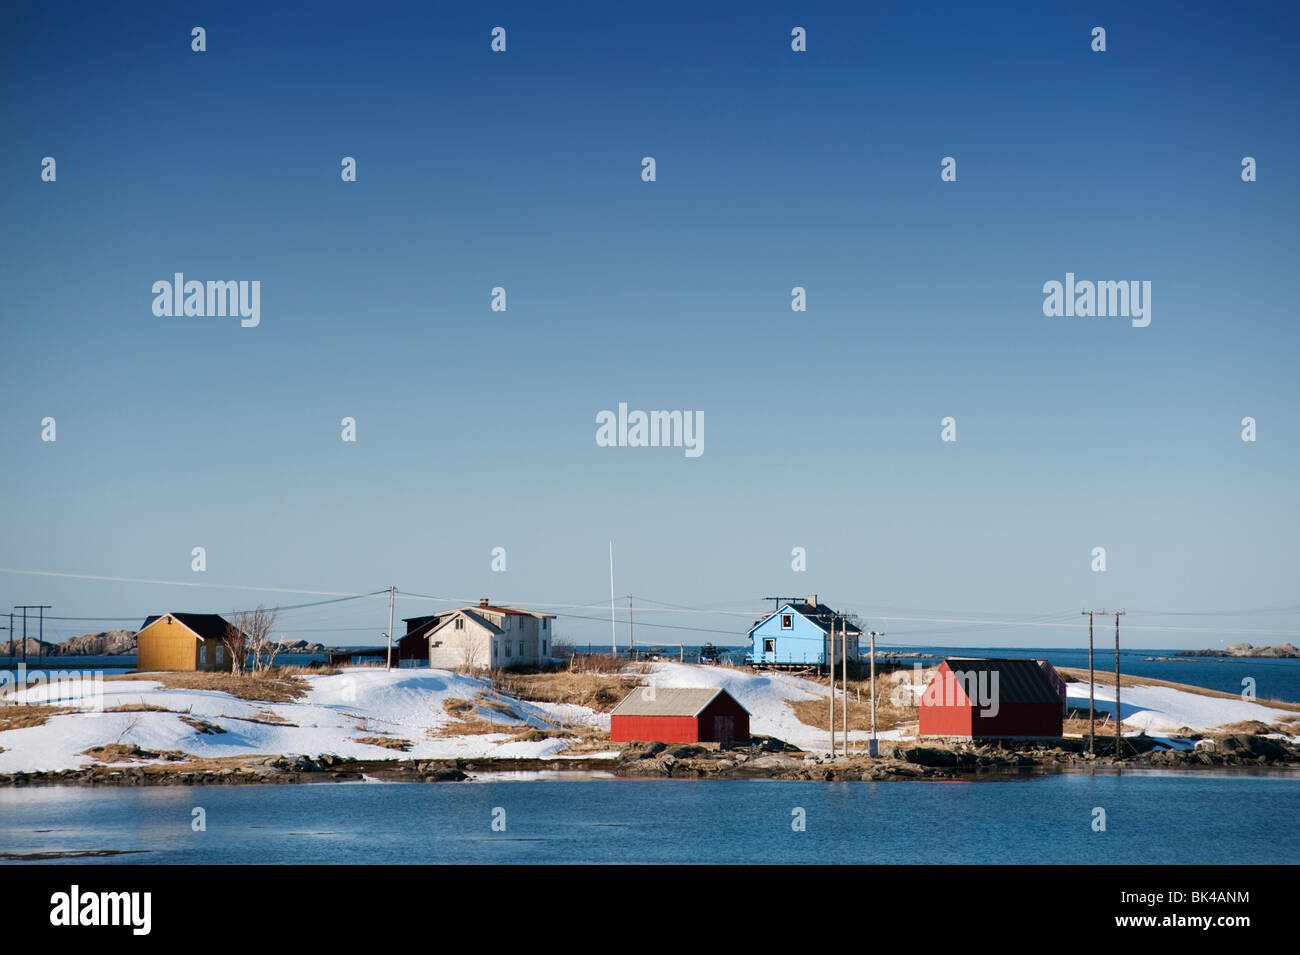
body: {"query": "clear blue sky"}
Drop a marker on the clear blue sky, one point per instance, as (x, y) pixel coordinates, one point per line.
(775, 169)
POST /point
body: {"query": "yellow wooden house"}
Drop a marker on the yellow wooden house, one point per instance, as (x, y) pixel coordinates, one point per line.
(183, 641)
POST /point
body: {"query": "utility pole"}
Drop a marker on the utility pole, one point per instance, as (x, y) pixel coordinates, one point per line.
(630, 642)
(874, 749)
(1119, 721)
(844, 678)
(830, 672)
(392, 594)
(613, 627)
(24, 608)
(1091, 720)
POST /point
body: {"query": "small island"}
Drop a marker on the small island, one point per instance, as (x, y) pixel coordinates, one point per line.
(1280, 651)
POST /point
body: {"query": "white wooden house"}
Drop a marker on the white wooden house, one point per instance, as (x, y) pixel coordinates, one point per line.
(483, 637)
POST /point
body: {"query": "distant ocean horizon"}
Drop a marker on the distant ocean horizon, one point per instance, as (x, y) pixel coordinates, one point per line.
(1275, 679)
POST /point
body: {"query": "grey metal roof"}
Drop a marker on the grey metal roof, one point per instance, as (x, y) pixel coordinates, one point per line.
(667, 701)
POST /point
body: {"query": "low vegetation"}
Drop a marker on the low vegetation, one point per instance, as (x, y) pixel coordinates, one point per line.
(467, 720)
(136, 708)
(1078, 726)
(127, 752)
(893, 710)
(597, 688)
(17, 716)
(279, 685)
(201, 726)
(388, 742)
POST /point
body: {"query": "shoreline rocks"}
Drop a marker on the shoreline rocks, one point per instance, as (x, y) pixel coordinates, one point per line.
(770, 759)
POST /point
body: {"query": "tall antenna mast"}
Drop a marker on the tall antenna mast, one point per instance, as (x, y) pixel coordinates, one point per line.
(613, 627)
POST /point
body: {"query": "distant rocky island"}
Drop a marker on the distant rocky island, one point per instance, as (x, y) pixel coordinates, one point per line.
(110, 643)
(1278, 651)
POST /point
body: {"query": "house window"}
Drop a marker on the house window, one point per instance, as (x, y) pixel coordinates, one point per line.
(787, 621)
(507, 648)
(543, 648)
(460, 623)
(769, 644)
(544, 623)
(219, 654)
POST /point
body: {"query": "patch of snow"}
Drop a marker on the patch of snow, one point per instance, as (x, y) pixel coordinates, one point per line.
(337, 709)
(1161, 710)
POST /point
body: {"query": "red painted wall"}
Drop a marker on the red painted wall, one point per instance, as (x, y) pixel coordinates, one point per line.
(681, 729)
(651, 729)
(945, 712)
(724, 705)
(1020, 719)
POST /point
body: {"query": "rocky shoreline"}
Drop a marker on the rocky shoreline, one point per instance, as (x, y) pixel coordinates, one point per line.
(770, 760)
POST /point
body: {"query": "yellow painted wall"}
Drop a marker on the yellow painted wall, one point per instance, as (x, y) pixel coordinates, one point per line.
(167, 645)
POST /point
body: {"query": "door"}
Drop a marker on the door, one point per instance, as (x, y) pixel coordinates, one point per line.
(724, 729)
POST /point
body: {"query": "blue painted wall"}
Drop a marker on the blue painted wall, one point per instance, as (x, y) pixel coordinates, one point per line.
(804, 642)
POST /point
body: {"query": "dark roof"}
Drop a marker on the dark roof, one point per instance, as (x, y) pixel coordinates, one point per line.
(1019, 681)
(820, 614)
(209, 626)
(668, 701)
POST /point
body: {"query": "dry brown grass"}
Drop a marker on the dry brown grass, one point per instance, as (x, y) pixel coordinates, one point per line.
(279, 685)
(601, 691)
(1078, 726)
(889, 714)
(595, 663)
(466, 720)
(583, 739)
(388, 742)
(1256, 728)
(137, 708)
(265, 718)
(1103, 678)
(17, 716)
(126, 752)
(201, 726)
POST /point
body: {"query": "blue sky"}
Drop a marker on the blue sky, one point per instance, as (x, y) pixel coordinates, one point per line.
(774, 169)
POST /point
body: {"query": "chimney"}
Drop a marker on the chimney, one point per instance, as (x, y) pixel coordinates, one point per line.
(482, 601)
(812, 600)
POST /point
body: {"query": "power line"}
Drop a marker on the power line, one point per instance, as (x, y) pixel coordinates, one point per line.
(188, 583)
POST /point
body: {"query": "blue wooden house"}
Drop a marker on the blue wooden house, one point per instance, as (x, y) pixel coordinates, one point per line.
(798, 634)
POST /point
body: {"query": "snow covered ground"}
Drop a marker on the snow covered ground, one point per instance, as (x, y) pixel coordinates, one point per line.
(1162, 710)
(337, 711)
(340, 709)
(764, 694)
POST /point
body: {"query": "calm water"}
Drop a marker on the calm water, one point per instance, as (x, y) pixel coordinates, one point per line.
(1151, 818)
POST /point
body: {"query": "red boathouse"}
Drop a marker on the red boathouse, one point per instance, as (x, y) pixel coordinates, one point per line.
(988, 698)
(679, 715)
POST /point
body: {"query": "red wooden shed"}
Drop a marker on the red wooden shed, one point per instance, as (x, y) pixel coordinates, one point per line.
(679, 715)
(988, 698)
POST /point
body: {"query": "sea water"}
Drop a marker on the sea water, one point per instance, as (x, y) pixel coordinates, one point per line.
(1149, 816)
